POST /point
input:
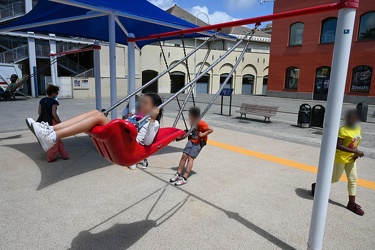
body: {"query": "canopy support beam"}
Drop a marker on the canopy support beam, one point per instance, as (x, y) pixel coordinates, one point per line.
(112, 62)
(340, 62)
(32, 60)
(98, 84)
(53, 59)
(45, 23)
(131, 73)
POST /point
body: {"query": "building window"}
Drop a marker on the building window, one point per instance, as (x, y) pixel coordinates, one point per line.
(367, 26)
(361, 79)
(291, 78)
(328, 30)
(296, 34)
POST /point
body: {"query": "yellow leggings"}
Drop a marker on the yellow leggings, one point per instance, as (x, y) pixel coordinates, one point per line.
(351, 174)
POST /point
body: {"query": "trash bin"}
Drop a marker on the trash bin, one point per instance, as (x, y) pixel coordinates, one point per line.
(304, 116)
(317, 116)
(362, 109)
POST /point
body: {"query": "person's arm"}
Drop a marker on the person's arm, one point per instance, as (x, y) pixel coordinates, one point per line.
(54, 114)
(347, 149)
(153, 128)
(39, 109)
(208, 131)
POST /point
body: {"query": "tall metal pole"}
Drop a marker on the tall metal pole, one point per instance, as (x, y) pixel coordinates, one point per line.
(112, 62)
(131, 72)
(340, 62)
(98, 84)
(53, 50)
(32, 59)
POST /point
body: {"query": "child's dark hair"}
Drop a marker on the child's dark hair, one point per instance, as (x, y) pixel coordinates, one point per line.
(195, 112)
(52, 89)
(157, 101)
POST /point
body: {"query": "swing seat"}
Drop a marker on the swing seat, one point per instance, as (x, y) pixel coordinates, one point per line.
(117, 143)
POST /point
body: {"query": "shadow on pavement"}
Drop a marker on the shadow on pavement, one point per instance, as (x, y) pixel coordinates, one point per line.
(235, 216)
(119, 236)
(83, 158)
(306, 194)
(123, 236)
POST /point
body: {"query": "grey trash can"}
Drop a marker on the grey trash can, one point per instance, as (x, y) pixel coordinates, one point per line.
(304, 116)
(362, 110)
(317, 116)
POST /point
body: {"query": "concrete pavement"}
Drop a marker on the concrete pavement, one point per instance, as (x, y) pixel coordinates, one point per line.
(233, 200)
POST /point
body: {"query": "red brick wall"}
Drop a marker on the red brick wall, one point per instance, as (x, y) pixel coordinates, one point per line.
(312, 54)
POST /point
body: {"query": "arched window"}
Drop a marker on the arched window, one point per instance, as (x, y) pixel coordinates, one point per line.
(367, 26)
(328, 30)
(296, 34)
(361, 79)
(291, 78)
(247, 84)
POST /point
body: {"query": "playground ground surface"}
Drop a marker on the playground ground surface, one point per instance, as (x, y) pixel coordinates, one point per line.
(249, 188)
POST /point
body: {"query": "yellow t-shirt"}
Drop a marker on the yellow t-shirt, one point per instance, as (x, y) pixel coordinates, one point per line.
(352, 138)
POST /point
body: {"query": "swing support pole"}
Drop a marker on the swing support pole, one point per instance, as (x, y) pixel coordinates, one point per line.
(191, 88)
(154, 79)
(131, 73)
(340, 62)
(196, 78)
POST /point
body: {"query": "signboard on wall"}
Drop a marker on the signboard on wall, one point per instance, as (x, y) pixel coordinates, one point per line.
(361, 79)
(80, 83)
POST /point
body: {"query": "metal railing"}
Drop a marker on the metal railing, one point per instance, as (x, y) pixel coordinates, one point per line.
(12, 10)
(70, 65)
(87, 73)
(15, 55)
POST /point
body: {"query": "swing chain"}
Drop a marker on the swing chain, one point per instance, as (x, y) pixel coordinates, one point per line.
(172, 85)
(187, 67)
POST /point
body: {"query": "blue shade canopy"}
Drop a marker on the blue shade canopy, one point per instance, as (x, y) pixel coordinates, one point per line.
(89, 19)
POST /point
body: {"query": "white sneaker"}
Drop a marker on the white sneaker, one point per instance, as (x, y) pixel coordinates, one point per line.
(175, 178)
(46, 126)
(133, 167)
(44, 136)
(145, 164)
(29, 123)
(181, 181)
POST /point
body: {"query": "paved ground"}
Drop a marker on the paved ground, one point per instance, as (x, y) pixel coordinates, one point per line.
(249, 189)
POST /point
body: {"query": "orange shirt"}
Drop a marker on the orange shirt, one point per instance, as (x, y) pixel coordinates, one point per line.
(201, 127)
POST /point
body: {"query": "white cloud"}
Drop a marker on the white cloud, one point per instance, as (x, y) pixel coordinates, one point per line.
(162, 4)
(241, 4)
(215, 17)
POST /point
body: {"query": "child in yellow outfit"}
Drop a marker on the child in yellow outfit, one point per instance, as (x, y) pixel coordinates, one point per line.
(347, 153)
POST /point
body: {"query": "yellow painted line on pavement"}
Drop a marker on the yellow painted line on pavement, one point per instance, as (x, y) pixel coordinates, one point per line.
(283, 161)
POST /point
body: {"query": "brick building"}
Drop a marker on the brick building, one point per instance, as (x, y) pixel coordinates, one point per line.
(302, 48)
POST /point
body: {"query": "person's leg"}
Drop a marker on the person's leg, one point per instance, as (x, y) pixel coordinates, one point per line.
(62, 150)
(351, 174)
(182, 163)
(189, 166)
(83, 125)
(52, 153)
(338, 169)
(73, 120)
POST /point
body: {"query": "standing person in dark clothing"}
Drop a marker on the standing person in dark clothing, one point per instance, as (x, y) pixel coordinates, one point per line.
(49, 104)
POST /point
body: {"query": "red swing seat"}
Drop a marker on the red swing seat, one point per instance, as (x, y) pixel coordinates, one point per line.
(117, 143)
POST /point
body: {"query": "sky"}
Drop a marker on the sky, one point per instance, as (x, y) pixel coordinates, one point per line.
(220, 10)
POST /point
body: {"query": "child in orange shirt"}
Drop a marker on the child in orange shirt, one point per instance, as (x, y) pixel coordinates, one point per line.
(197, 140)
